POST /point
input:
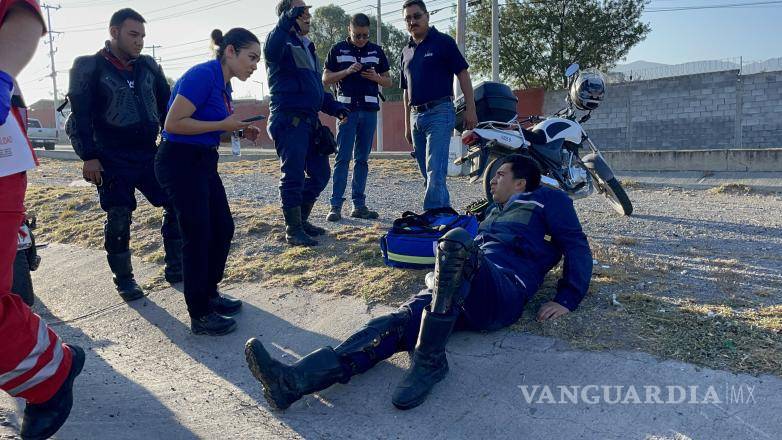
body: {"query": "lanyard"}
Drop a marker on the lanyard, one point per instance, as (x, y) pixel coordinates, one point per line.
(228, 105)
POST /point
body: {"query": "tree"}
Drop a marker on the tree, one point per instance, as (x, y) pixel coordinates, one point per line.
(330, 26)
(539, 39)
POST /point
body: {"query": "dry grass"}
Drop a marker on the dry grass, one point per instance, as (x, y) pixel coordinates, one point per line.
(269, 167)
(402, 169)
(348, 262)
(735, 333)
(625, 241)
(732, 188)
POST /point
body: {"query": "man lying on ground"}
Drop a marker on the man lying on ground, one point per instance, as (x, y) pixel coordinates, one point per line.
(479, 285)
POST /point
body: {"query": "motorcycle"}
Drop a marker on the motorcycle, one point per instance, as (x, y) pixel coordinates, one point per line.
(555, 142)
(27, 260)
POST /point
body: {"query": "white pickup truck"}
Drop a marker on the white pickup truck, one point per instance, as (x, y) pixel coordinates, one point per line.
(41, 137)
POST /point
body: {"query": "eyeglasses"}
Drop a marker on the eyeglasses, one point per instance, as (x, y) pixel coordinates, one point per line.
(360, 36)
(417, 16)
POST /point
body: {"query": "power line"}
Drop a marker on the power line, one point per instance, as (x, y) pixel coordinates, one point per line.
(200, 9)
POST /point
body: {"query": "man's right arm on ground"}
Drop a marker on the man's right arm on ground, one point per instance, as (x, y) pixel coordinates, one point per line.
(80, 95)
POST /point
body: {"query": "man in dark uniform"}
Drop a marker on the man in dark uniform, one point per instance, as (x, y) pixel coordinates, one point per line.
(480, 285)
(429, 62)
(357, 66)
(297, 96)
(118, 101)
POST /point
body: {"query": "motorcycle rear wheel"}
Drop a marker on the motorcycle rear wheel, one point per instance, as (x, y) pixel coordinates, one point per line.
(488, 174)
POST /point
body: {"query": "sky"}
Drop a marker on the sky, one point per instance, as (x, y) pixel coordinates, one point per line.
(182, 28)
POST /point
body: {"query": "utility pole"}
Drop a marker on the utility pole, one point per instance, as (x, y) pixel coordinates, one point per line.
(495, 41)
(380, 103)
(51, 57)
(153, 47)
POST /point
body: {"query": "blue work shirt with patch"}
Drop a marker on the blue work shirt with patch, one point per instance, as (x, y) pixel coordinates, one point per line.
(204, 86)
(294, 72)
(428, 68)
(354, 90)
(530, 233)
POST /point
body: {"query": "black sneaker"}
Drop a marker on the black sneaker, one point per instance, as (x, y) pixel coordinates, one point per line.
(42, 420)
(212, 325)
(335, 214)
(128, 289)
(173, 277)
(365, 213)
(222, 305)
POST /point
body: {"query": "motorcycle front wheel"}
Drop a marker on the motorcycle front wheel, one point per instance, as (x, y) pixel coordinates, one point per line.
(616, 195)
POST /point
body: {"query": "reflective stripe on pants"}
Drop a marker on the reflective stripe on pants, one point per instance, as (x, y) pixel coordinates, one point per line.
(33, 362)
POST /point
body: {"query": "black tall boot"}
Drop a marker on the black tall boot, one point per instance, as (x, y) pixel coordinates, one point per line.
(42, 420)
(457, 261)
(122, 268)
(294, 230)
(429, 364)
(173, 259)
(283, 384)
(309, 228)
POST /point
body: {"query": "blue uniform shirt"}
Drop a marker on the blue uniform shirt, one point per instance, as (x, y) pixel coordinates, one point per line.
(354, 90)
(531, 233)
(428, 68)
(205, 87)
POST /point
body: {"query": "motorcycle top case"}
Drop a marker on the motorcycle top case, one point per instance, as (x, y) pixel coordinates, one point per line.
(493, 102)
(412, 240)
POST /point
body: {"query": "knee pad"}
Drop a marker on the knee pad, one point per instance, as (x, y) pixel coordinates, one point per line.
(459, 235)
(117, 230)
(457, 261)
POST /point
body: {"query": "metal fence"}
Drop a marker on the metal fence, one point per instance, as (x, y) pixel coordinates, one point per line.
(742, 65)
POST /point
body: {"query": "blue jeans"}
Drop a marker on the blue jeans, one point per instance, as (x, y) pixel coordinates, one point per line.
(432, 131)
(354, 138)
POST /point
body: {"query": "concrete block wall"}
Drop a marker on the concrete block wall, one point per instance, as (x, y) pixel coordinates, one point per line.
(719, 110)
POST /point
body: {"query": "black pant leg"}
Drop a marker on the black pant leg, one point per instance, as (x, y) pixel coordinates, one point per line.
(222, 231)
(181, 172)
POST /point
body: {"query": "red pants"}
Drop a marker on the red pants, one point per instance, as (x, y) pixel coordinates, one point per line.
(33, 361)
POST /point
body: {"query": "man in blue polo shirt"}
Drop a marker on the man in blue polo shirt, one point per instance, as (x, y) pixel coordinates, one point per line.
(357, 66)
(429, 62)
(297, 96)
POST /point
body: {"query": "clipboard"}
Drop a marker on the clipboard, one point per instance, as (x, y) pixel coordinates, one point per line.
(16, 153)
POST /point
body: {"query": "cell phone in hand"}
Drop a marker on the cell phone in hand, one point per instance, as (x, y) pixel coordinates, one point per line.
(255, 118)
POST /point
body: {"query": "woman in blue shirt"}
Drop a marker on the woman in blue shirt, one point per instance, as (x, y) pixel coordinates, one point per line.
(199, 112)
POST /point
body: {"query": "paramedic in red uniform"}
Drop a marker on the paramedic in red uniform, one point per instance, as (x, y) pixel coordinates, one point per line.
(35, 364)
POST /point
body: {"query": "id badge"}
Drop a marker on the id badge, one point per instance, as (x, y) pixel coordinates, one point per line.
(236, 145)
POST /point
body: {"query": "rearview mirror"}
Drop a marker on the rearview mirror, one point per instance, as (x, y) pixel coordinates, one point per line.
(572, 69)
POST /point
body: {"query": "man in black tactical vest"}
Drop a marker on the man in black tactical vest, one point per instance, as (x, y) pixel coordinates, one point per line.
(118, 101)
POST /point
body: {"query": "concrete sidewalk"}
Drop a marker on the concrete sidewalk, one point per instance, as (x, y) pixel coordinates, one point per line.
(147, 377)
